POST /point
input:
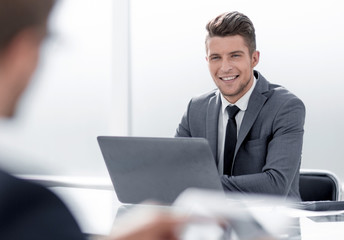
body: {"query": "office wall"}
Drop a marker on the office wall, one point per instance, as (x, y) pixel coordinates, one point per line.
(107, 72)
(301, 45)
(71, 99)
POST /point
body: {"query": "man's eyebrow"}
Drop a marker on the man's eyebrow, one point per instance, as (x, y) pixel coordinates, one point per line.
(236, 52)
(214, 54)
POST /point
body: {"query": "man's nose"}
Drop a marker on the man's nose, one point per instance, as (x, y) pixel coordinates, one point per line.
(226, 66)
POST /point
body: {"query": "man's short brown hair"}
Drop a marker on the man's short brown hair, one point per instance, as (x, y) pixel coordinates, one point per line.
(230, 24)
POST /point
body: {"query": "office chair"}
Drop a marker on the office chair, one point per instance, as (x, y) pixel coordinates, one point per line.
(319, 185)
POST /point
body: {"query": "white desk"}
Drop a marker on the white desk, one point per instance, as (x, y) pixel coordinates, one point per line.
(95, 206)
(95, 210)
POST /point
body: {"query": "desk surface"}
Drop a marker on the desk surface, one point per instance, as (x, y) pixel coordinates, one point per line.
(95, 210)
(95, 207)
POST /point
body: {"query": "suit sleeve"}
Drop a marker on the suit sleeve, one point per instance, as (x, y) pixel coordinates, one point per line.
(29, 211)
(183, 129)
(283, 155)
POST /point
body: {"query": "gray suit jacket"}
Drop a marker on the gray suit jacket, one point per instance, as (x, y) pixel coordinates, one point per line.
(268, 151)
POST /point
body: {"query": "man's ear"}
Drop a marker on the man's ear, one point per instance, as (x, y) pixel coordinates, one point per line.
(255, 58)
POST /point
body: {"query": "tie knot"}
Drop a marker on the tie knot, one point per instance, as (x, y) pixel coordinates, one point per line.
(232, 111)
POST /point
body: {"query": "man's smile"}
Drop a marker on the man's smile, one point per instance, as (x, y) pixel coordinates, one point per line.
(229, 78)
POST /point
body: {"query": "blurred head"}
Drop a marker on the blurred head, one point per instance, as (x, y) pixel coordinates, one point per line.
(23, 26)
(231, 54)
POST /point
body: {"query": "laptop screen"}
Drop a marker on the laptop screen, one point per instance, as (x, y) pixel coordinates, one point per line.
(158, 169)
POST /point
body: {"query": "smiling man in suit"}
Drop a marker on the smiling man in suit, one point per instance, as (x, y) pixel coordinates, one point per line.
(257, 147)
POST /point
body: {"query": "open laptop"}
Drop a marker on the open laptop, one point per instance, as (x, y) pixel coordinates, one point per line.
(158, 169)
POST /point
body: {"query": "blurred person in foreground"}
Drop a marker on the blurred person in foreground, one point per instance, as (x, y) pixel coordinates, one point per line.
(27, 210)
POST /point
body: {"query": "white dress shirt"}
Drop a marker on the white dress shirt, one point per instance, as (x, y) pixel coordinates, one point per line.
(223, 119)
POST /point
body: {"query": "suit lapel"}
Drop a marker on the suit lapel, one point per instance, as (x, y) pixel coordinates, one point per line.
(212, 120)
(256, 102)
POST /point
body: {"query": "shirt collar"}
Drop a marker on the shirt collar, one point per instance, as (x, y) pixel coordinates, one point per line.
(242, 103)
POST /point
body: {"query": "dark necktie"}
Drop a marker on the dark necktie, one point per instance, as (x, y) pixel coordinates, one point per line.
(230, 141)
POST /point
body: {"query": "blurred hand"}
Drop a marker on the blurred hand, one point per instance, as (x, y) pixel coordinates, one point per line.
(148, 224)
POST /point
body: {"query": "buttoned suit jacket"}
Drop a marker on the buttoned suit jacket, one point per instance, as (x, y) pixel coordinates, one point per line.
(267, 155)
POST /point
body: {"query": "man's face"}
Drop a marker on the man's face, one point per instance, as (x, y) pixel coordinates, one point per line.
(231, 65)
(18, 62)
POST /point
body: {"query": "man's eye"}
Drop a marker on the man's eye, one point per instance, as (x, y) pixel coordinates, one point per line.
(214, 58)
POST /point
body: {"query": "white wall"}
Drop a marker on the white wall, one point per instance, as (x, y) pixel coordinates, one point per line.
(98, 77)
(71, 100)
